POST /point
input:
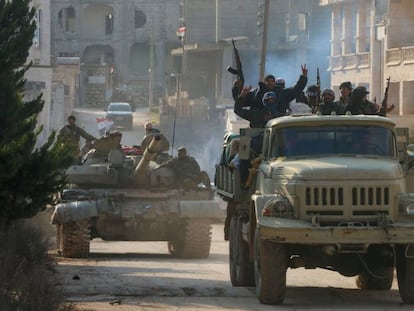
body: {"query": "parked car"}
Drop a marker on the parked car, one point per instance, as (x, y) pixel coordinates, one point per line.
(120, 113)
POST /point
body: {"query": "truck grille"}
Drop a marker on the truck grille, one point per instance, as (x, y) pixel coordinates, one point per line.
(323, 196)
(361, 203)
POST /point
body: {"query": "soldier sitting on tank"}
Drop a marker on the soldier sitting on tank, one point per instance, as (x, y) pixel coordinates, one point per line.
(150, 131)
(187, 171)
(103, 146)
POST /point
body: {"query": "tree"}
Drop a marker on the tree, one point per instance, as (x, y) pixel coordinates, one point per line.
(29, 175)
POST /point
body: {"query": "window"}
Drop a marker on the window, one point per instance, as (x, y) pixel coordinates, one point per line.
(331, 140)
(140, 19)
(109, 24)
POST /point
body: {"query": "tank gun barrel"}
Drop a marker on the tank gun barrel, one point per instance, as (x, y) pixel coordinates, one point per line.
(154, 147)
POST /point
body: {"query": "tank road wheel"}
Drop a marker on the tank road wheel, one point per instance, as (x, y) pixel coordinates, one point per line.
(380, 278)
(75, 239)
(405, 272)
(193, 240)
(270, 271)
(241, 268)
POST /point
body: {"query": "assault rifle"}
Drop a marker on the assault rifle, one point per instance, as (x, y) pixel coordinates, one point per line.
(318, 87)
(383, 109)
(238, 70)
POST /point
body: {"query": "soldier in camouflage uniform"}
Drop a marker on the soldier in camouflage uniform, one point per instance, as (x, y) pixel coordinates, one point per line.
(187, 170)
(328, 106)
(70, 134)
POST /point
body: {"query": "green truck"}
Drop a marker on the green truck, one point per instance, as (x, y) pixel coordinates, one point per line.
(317, 191)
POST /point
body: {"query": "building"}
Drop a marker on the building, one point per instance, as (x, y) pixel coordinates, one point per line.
(120, 44)
(39, 76)
(371, 40)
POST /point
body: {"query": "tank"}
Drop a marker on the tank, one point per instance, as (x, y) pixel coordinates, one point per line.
(130, 198)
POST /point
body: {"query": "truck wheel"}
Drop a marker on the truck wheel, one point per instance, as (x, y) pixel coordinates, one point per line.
(75, 239)
(241, 268)
(380, 279)
(192, 241)
(270, 271)
(405, 272)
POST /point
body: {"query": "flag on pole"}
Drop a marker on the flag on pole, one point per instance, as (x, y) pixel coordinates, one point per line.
(181, 32)
(104, 125)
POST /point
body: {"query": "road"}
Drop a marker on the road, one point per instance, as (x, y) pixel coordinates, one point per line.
(126, 276)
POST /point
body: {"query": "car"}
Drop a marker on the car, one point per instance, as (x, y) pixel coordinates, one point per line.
(120, 113)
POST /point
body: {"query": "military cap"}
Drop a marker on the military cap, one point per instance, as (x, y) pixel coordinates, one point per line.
(362, 90)
(328, 91)
(346, 84)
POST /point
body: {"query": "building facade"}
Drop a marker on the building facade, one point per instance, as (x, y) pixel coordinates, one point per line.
(371, 41)
(119, 43)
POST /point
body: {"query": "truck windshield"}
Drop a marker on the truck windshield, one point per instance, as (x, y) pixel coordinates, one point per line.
(328, 140)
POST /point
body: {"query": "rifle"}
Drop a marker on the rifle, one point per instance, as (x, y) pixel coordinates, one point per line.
(318, 85)
(383, 109)
(238, 70)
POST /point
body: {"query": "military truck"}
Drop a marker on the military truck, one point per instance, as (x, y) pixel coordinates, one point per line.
(319, 192)
(128, 198)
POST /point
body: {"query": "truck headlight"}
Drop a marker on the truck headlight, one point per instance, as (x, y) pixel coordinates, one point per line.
(278, 207)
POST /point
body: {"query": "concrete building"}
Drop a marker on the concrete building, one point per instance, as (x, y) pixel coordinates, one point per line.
(127, 44)
(39, 76)
(371, 41)
(119, 43)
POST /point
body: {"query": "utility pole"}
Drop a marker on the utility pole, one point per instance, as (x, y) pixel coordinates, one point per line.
(262, 65)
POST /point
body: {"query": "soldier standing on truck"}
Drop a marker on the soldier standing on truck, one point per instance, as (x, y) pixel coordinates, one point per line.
(70, 134)
(359, 104)
(328, 106)
(187, 170)
(345, 88)
(253, 98)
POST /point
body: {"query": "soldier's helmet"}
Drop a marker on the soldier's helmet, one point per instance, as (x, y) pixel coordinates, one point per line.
(267, 96)
(280, 83)
(328, 92)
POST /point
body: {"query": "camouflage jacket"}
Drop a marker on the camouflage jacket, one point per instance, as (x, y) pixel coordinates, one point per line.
(184, 168)
(72, 134)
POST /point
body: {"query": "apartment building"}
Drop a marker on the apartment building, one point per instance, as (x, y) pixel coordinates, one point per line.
(371, 41)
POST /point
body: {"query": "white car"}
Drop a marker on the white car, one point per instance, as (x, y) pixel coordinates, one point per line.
(120, 113)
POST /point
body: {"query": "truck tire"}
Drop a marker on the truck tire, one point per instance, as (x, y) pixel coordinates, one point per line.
(405, 272)
(193, 240)
(270, 271)
(380, 278)
(74, 239)
(241, 268)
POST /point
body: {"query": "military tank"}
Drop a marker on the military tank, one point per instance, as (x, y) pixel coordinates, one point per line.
(129, 198)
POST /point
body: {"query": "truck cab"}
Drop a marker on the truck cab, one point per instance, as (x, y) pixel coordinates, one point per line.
(322, 192)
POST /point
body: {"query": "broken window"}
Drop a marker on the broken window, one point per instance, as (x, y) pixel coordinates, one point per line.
(140, 19)
(66, 19)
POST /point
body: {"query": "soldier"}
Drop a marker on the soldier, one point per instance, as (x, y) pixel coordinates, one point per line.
(187, 170)
(345, 88)
(71, 134)
(359, 104)
(328, 106)
(150, 132)
(312, 97)
(150, 129)
(253, 98)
